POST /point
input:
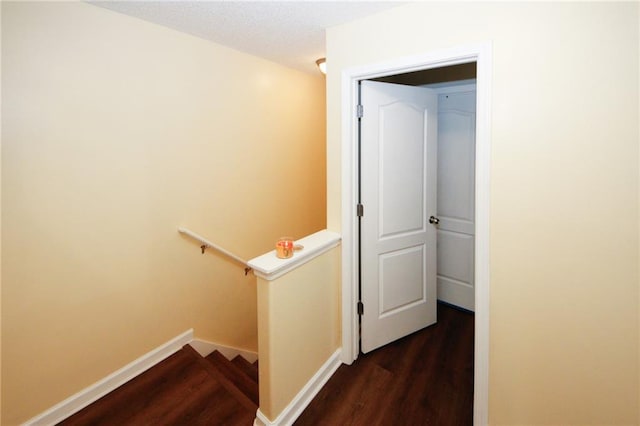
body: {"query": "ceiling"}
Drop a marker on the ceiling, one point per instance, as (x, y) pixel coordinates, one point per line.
(291, 33)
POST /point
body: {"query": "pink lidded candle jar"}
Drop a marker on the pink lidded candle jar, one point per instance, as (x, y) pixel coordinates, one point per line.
(284, 248)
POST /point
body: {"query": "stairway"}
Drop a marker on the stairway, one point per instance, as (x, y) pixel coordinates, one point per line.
(184, 389)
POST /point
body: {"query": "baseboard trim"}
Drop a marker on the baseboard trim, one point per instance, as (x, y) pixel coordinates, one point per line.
(293, 410)
(80, 400)
(204, 348)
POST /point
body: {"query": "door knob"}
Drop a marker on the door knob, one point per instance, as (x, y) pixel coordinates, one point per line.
(434, 220)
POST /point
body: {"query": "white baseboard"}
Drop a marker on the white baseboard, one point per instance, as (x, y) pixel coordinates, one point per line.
(293, 410)
(204, 348)
(80, 400)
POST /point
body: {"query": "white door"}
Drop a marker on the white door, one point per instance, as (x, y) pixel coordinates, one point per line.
(456, 201)
(398, 155)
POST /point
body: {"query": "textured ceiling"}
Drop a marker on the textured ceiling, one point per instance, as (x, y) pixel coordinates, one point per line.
(291, 33)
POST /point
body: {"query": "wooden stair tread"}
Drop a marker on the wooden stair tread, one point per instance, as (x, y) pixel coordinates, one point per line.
(175, 391)
(235, 375)
(247, 368)
(235, 385)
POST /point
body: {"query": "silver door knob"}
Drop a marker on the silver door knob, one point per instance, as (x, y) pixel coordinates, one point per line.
(434, 220)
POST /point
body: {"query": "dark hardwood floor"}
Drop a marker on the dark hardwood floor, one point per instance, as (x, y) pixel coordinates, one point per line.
(423, 379)
(184, 390)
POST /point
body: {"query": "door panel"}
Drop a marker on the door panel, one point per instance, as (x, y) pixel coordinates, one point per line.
(398, 184)
(456, 198)
(401, 163)
(456, 158)
(403, 279)
(455, 260)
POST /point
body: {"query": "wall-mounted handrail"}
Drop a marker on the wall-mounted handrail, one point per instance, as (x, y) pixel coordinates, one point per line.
(208, 244)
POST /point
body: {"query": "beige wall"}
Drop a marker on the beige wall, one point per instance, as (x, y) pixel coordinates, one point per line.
(564, 193)
(114, 133)
(299, 329)
(0, 223)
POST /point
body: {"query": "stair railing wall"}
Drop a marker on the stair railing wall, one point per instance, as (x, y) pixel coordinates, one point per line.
(298, 326)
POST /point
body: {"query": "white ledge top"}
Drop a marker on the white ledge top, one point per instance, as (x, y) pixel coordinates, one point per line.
(270, 267)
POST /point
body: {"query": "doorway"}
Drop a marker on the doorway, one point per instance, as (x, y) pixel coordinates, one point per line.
(481, 55)
(414, 250)
(398, 163)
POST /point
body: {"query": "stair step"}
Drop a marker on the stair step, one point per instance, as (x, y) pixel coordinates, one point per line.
(178, 390)
(217, 370)
(235, 375)
(247, 368)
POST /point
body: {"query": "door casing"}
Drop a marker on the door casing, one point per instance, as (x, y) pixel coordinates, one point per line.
(481, 54)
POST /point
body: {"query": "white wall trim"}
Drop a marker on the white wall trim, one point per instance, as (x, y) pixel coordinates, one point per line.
(204, 348)
(80, 400)
(270, 268)
(293, 410)
(482, 55)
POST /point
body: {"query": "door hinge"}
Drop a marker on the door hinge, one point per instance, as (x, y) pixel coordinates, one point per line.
(360, 308)
(360, 210)
(359, 110)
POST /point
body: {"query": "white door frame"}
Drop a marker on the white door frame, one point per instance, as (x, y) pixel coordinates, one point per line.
(481, 54)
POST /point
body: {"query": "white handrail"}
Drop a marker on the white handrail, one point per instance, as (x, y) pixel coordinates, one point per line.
(208, 244)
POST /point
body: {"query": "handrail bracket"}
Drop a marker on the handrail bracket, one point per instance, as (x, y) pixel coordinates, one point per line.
(205, 244)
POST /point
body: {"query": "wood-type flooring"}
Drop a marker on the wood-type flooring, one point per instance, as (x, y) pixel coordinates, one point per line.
(422, 379)
(425, 378)
(184, 389)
